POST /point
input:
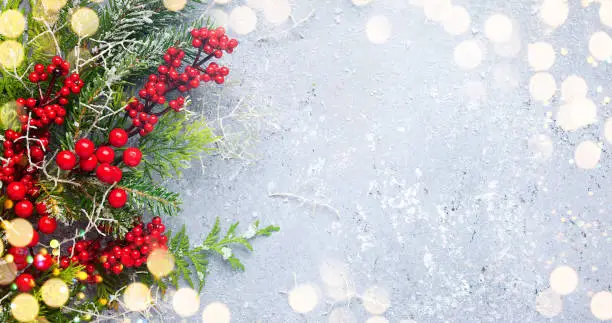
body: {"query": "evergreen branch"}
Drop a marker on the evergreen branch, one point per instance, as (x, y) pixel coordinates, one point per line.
(147, 195)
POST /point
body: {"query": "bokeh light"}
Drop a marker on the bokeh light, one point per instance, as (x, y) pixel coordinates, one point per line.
(549, 303)
(216, 313)
(53, 5)
(361, 2)
(276, 11)
(601, 306)
(467, 55)
(85, 22)
(303, 298)
(12, 23)
(11, 54)
(437, 10)
(378, 29)
(576, 114)
(8, 272)
(341, 315)
(608, 130)
(55, 292)
(160, 262)
(24, 307)
(554, 12)
(242, 20)
(137, 297)
(541, 56)
(222, 1)
(600, 45)
(605, 13)
(186, 302)
(19, 232)
(457, 21)
(586, 156)
(573, 87)
(563, 280)
(376, 300)
(542, 86)
(219, 17)
(175, 5)
(377, 319)
(498, 28)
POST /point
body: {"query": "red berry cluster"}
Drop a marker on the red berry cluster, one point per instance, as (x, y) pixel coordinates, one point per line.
(84, 253)
(213, 41)
(144, 122)
(214, 72)
(102, 160)
(168, 74)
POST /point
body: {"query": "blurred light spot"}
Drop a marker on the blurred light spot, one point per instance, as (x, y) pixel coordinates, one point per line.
(24, 307)
(586, 156)
(437, 10)
(303, 298)
(573, 87)
(8, 271)
(160, 262)
(563, 280)
(577, 114)
(84, 22)
(53, 5)
(222, 1)
(457, 21)
(554, 12)
(12, 23)
(549, 303)
(541, 56)
(175, 5)
(276, 11)
(542, 86)
(219, 18)
(376, 300)
(255, 4)
(600, 45)
(467, 54)
(361, 2)
(19, 232)
(242, 20)
(11, 54)
(605, 13)
(186, 302)
(378, 29)
(216, 313)
(54, 292)
(377, 319)
(608, 130)
(137, 297)
(601, 306)
(341, 315)
(541, 147)
(498, 28)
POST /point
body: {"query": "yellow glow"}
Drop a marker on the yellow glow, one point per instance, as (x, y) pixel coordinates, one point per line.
(53, 5)
(55, 292)
(84, 22)
(12, 23)
(186, 302)
(175, 5)
(11, 54)
(24, 307)
(19, 232)
(137, 297)
(160, 262)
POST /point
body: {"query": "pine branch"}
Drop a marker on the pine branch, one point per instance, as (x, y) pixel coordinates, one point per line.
(150, 196)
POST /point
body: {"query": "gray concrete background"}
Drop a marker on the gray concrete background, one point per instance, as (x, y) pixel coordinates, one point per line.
(440, 199)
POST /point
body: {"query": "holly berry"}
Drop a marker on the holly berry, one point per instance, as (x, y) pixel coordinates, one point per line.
(25, 282)
(105, 154)
(16, 191)
(43, 262)
(47, 224)
(117, 198)
(41, 208)
(24, 208)
(66, 160)
(132, 157)
(84, 148)
(88, 164)
(118, 137)
(105, 173)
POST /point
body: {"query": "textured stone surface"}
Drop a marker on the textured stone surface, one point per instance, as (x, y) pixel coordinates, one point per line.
(451, 190)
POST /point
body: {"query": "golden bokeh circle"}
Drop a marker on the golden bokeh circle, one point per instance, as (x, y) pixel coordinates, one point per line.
(11, 54)
(8, 272)
(137, 297)
(53, 5)
(160, 262)
(175, 5)
(24, 307)
(55, 292)
(19, 232)
(12, 23)
(85, 22)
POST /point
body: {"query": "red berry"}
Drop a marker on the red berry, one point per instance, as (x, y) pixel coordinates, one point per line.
(139, 241)
(105, 154)
(163, 239)
(83, 256)
(144, 249)
(64, 262)
(162, 69)
(129, 237)
(33, 77)
(118, 137)
(219, 79)
(117, 269)
(66, 160)
(117, 198)
(24, 208)
(43, 262)
(35, 237)
(137, 231)
(16, 191)
(57, 60)
(117, 174)
(156, 220)
(88, 164)
(105, 174)
(84, 148)
(25, 282)
(47, 224)
(132, 157)
(39, 68)
(41, 208)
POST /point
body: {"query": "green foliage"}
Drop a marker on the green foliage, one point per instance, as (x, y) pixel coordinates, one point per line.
(145, 194)
(175, 142)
